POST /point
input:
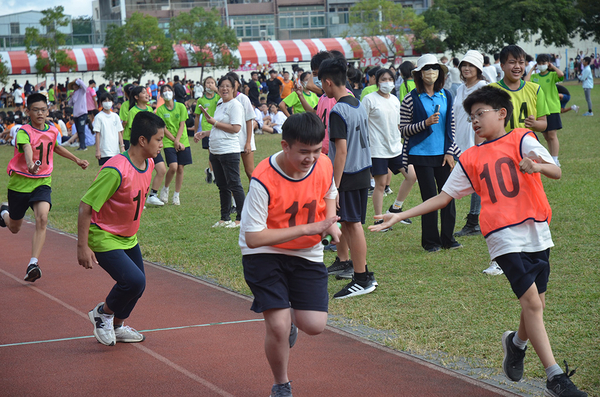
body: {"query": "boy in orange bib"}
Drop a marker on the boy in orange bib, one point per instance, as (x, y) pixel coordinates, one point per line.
(515, 216)
(289, 208)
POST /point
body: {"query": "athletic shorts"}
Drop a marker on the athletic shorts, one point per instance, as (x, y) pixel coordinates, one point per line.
(205, 142)
(103, 160)
(554, 122)
(380, 166)
(353, 205)
(159, 159)
(280, 281)
(565, 99)
(522, 269)
(182, 158)
(19, 202)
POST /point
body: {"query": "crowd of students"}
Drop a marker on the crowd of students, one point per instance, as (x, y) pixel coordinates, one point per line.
(342, 139)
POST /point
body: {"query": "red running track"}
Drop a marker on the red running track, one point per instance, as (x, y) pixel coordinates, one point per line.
(201, 340)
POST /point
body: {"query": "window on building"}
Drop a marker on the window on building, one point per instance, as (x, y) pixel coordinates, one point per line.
(115, 3)
(14, 28)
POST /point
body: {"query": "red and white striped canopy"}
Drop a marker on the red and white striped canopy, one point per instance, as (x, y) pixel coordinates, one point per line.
(370, 51)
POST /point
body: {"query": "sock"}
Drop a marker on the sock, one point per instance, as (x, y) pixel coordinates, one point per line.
(115, 326)
(518, 342)
(387, 187)
(166, 188)
(555, 158)
(153, 192)
(100, 310)
(33, 260)
(398, 204)
(176, 194)
(360, 276)
(3, 212)
(233, 202)
(372, 182)
(552, 371)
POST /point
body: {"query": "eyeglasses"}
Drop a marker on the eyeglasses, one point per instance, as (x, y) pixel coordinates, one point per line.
(40, 111)
(478, 114)
(430, 67)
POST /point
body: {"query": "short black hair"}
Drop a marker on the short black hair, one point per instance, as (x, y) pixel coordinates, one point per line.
(486, 60)
(334, 69)
(145, 124)
(164, 87)
(373, 71)
(306, 128)
(381, 72)
(497, 98)
(514, 50)
(136, 91)
(227, 78)
(33, 98)
(587, 60)
(105, 95)
(318, 58)
(542, 58)
(406, 69)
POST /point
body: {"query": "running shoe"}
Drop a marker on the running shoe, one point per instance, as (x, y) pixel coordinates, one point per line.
(338, 266)
(388, 190)
(562, 386)
(293, 335)
(175, 200)
(281, 390)
(153, 200)
(494, 269)
(330, 247)
(575, 108)
(222, 223)
(33, 272)
(3, 207)
(164, 195)
(356, 288)
(393, 210)
(127, 335)
(233, 225)
(512, 365)
(588, 114)
(103, 326)
(209, 176)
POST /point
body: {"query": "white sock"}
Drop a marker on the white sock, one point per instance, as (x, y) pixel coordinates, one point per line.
(552, 371)
(518, 342)
(555, 158)
(33, 260)
(398, 204)
(372, 182)
(233, 201)
(166, 188)
(3, 212)
(176, 194)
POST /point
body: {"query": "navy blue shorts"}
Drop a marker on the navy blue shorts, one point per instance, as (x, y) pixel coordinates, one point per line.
(182, 158)
(554, 122)
(205, 144)
(19, 202)
(280, 281)
(159, 159)
(565, 99)
(522, 269)
(353, 205)
(380, 166)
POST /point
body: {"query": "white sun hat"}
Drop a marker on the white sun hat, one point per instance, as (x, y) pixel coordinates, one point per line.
(429, 59)
(474, 58)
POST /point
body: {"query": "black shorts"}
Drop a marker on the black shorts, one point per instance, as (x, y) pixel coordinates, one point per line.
(205, 142)
(159, 159)
(522, 269)
(554, 122)
(182, 158)
(103, 160)
(353, 205)
(380, 166)
(19, 202)
(280, 281)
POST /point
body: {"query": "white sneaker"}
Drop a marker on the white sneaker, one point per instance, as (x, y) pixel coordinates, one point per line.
(164, 195)
(493, 269)
(103, 326)
(175, 200)
(222, 223)
(233, 225)
(575, 108)
(128, 335)
(153, 200)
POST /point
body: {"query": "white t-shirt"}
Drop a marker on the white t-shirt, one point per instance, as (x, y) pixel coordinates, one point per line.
(454, 75)
(258, 116)
(499, 71)
(465, 136)
(13, 133)
(529, 236)
(277, 121)
(108, 125)
(221, 142)
(490, 73)
(256, 211)
(383, 118)
(64, 131)
(248, 115)
(18, 94)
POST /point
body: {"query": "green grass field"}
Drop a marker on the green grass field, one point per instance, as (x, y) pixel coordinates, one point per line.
(432, 302)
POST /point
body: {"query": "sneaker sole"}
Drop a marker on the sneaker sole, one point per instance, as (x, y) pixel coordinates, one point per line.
(33, 275)
(342, 276)
(92, 319)
(131, 340)
(357, 293)
(505, 348)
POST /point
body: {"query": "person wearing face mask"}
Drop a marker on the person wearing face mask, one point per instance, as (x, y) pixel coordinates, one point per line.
(176, 143)
(427, 126)
(383, 112)
(293, 100)
(109, 131)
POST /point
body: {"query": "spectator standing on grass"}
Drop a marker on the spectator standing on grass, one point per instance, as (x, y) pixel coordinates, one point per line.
(515, 224)
(429, 145)
(18, 97)
(587, 84)
(246, 134)
(275, 86)
(79, 101)
(547, 78)
(109, 219)
(109, 131)
(179, 90)
(208, 101)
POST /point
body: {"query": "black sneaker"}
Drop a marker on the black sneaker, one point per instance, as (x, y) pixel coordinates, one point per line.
(512, 365)
(561, 386)
(393, 210)
(471, 227)
(281, 390)
(380, 221)
(347, 274)
(293, 335)
(2, 208)
(454, 246)
(356, 288)
(338, 267)
(33, 272)
(209, 177)
(330, 247)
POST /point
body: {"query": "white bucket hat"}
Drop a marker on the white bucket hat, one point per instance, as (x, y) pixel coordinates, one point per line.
(429, 59)
(474, 58)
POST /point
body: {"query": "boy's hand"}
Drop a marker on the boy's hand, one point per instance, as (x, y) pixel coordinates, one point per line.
(86, 257)
(529, 166)
(82, 163)
(530, 121)
(334, 231)
(34, 167)
(321, 227)
(388, 221)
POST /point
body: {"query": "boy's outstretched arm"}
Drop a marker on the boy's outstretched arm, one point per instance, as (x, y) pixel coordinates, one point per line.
(433, 204)
(268, 237)
(68, 155)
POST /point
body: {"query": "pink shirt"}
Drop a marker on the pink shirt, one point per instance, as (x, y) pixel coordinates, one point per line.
(42, 144)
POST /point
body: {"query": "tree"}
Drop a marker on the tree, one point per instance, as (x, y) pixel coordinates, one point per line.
(3, 71)
(209, 41)
(490, 25)
(590, 23)
(137, 47)
(52, 43)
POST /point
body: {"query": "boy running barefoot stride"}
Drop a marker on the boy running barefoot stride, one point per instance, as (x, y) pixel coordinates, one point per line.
(30, 173)
(515, 215)
(289, 208)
